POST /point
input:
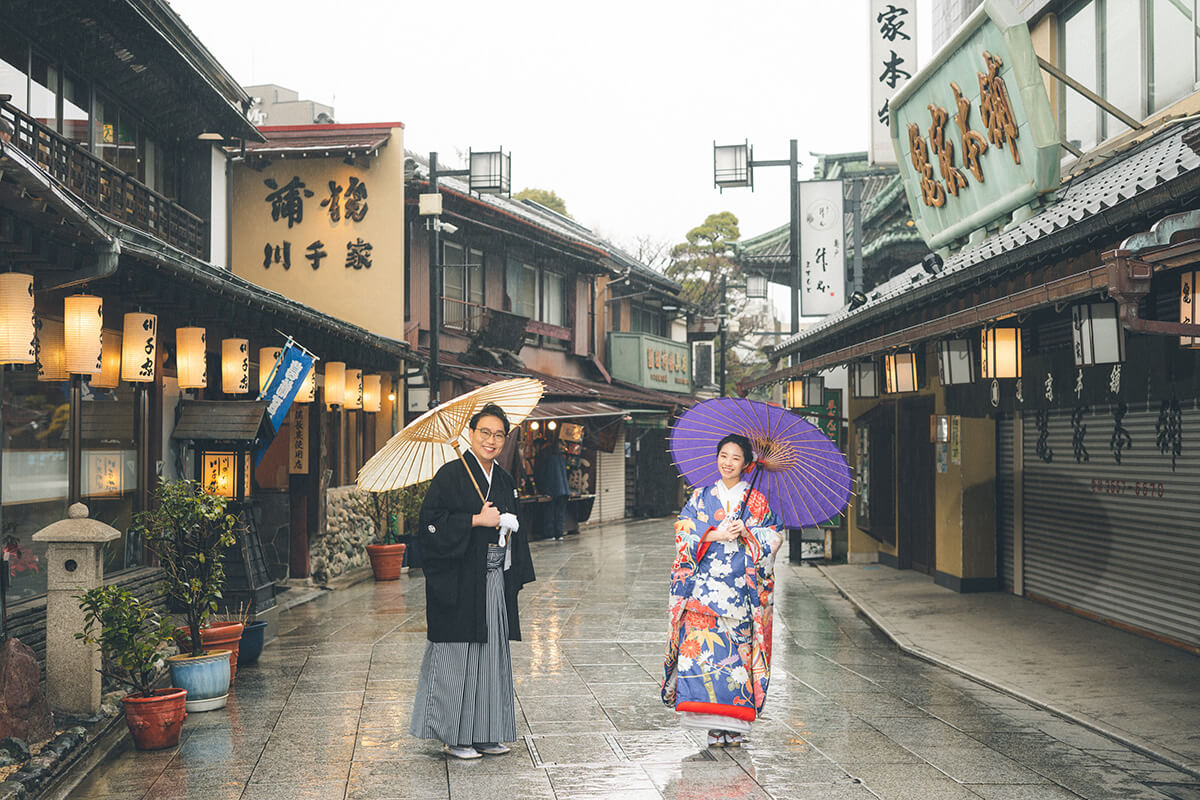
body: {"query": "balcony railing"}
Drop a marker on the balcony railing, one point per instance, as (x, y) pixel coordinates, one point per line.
(103, 186)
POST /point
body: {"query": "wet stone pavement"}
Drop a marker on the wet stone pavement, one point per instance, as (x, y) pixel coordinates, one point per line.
(324, 714)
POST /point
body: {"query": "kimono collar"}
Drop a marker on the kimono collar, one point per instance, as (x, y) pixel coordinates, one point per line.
(729, 497)
(488, 474)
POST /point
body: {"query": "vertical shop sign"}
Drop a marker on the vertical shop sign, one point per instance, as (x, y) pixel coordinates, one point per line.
(298, 441)
(822, 248)
(893, 36)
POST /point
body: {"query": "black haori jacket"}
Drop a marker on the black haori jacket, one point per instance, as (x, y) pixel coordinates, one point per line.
(454, 553)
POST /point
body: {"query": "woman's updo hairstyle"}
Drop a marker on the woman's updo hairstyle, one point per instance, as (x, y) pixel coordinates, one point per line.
(492, 410)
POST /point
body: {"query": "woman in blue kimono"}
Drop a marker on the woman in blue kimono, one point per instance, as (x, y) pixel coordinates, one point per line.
(718, 660)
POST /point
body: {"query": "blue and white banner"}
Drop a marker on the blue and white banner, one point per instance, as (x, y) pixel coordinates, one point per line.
(291, 368)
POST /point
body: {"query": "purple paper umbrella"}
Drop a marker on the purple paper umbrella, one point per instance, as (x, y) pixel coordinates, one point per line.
(804, 476)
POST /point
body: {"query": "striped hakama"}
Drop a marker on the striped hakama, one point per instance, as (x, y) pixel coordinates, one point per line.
(465, 689)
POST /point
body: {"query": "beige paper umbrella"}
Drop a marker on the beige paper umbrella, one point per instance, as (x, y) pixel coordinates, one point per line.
(439, 435)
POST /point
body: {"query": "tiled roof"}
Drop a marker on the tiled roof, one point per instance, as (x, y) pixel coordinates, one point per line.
(1118, 183)
(320, 140)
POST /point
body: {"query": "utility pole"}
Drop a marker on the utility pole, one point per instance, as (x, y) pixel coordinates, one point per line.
(435, 290)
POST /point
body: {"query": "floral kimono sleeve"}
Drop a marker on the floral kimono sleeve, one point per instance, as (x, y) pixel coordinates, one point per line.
(764, 527)
(689, 529)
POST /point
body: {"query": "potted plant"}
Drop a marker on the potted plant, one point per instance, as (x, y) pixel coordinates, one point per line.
(189, 530)
(387, 552)
(254, 633)
(131, 637)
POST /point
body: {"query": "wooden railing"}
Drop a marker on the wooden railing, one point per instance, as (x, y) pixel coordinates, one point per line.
(103, 186)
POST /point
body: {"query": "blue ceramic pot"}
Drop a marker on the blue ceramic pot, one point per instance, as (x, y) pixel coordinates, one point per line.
(205, 677)
(253, 638)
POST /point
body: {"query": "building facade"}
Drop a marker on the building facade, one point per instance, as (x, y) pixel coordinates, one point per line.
(1020, 403)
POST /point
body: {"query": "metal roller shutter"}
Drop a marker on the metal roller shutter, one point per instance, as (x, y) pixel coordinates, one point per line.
(1004, 498)
(1118, 541)
(610, 482)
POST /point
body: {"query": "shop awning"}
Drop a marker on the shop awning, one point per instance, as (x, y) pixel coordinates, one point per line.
(563, 410)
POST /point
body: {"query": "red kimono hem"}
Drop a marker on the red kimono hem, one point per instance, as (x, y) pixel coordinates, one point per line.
(737, 712)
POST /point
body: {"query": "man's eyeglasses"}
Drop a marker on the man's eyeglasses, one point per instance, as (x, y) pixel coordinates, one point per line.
(497, 436)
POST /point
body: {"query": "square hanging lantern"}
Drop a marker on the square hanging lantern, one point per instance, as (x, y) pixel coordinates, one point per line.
(805, 392)
(955, 365)
(267, 358)
(308, 389)
(1188, 306)
(372, 388)
(490, 171)
(354, 390)
(226, 473)
(191, 362)
(83, 318)
(1000, 352)
(1096, 334)
(756, 287)
(900, 372)
(335, 383)
(51, 355)
(864, 379)
(235, 366)
(731, 165)
(109, 376)
(17, 327)
(139, 342)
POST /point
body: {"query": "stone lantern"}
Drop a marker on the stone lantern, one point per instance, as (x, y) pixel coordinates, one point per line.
(73, 548)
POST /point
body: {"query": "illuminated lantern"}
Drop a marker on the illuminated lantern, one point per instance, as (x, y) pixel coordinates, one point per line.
(190, 358)
(267, 358)
(354, 390)
(308, 389)
(1000, 352)
(51, 356)
(138, 345)
(900, 372)
(83, 344)
(1187, 305)
(372, 389)
(335, 383)
(806, 391)
(235, 366)
(17, 326)
(110, 372)
(219, 473)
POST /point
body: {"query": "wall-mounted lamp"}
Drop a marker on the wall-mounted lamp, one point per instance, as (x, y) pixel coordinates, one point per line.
(372, 387)
(109, 376)
(1096, 334)
(900, 372)
(955, 362)
(17, 326)
(267, 357)
(83, 343)
(138, 342)
(804, 392)
(335, 383)
(191, 362)
(864, 379)
(1000, 352)
(308, 389)
(353, 396)
(51, 354)
(490, 171)
(235, 366)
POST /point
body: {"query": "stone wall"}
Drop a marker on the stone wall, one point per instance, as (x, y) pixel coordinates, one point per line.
(342, 545)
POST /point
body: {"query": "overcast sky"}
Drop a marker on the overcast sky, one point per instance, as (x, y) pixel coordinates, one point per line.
(615, 106)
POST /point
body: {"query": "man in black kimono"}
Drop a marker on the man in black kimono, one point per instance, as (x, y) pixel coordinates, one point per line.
(476, 559)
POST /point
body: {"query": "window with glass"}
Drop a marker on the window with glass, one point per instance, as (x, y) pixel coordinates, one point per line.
(521, 289)
(108, 480)
(647, 320)
(462, 286)
(1139, 55)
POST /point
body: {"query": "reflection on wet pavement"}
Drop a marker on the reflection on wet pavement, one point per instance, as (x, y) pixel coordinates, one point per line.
(324, 714)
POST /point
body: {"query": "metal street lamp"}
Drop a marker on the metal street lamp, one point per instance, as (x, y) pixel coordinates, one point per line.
(489, 172)
(733, 166)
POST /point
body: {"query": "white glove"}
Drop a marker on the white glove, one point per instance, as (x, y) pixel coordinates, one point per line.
(508, 524)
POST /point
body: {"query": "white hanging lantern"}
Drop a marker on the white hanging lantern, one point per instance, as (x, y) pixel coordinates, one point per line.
(308, 389)
(17, 327)
(109, 376)
(955, 365)
(864, 379)
(1096, 334)
(83, 318)
(267, 358)
(335, 383)
(51, 355)
(191, 361)
(1000, 352)
(372, 389)
(354, 390)
(139, 343)
(235, 366)
(900, 372)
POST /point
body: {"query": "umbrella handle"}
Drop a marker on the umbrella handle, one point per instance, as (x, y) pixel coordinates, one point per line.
(746, 497)
(470, 474)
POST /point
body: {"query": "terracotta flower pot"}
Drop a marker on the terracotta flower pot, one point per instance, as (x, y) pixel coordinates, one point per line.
(386, 560)
(155, 722)
(219, 635)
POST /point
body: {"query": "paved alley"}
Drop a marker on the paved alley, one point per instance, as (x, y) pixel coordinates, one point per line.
(324, 714)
